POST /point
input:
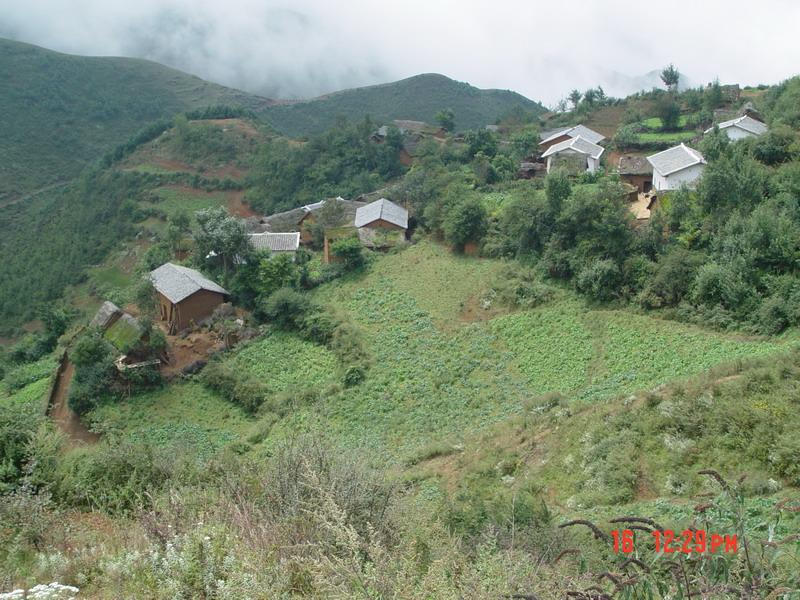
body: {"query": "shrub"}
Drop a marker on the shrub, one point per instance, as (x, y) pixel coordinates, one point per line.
(599, 280)
(350, 251)
(286, 309)
(465, 222)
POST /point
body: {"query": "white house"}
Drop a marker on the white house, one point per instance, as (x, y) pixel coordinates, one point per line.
(741, 127)
(676, 166)
(576, 147)
(556, 136)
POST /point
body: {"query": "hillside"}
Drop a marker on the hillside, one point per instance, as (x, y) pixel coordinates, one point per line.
(62, 111)
(416, 98)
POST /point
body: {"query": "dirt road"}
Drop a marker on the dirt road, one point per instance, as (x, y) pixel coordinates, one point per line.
(63, 416)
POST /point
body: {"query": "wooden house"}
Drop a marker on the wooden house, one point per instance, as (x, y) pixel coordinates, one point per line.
(185, 296)
(636, 171)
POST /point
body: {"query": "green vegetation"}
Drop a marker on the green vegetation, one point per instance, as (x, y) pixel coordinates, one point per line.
(282, 361)
(62, 111)
(418, 98)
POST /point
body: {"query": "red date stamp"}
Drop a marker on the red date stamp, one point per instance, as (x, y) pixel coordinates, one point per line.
(688, 541)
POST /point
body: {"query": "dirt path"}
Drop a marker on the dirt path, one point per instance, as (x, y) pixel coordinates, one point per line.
(34, 193)
(63, 416)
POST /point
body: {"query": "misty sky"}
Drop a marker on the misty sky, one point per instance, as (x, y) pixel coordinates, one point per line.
(303, 48)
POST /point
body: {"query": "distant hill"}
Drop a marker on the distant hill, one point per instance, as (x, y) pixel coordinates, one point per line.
(416, 98)
(60, 111)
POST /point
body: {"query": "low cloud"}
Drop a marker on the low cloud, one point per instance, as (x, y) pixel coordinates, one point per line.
(306, 48)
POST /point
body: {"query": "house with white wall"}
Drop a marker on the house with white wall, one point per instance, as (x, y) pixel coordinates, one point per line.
(741, 127)
(676, 166)
(577, 150)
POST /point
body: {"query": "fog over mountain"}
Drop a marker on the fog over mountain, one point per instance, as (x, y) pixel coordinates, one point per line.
(306, 48)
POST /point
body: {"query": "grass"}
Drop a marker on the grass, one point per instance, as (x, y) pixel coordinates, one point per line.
(655, 123)
(31, 394)
(173, 201)
(674, 136)
(110, 276)
(62, 111)
(184, 413)
(20, 376)
(282, 361)
(435, 378)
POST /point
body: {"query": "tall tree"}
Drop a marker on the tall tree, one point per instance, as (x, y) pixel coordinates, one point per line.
(670, 77)
(446, 119)
(575, 97)
(221, 237)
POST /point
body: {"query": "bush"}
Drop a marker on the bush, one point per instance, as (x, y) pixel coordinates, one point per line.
(350, 251)
(599, 280)
(465, 222)
(286, 309)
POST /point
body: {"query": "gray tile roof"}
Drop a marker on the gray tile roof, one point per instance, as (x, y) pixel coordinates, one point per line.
(289, 220)
(573, 132)
(107, 312)
(577, 144)
(275, 242)
(178, 283)
(382, 209)
(675, 159)
(745, 122)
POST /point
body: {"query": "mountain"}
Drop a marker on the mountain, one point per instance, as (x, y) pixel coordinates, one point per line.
(416, 98)
(60, 111)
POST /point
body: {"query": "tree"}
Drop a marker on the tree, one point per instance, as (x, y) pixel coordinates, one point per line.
(670, 76)
(220, 238)
(465, 222)
(446, 119)
(350, 251)
(575, 97)
(275, 272)
(178, 228)
(481, 140)
(669, 111)
(557, 188)
(590, 97)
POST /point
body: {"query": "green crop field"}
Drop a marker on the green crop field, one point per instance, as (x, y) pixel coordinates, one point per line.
(282, 361)
(675, 136)
(436, 377)
(654, 123)
(183, 200)
(185, 414)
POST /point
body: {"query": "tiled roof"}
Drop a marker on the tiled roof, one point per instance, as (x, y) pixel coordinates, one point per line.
(289, 220)
(573, 132)
(675, 159)
(382, 209)
(178, 283)
(745, 122)
(275, 242)
(577, 144)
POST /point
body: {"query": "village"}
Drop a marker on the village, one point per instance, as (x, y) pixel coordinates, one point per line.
(188, 301)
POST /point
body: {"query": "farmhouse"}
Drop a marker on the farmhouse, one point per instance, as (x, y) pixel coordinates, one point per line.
(276, 243)
(576, 154)
(300, 219)
(741, 127)
(557, 136)
(185, 296)
(636, 171)
(679, 165)
(382, 213)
